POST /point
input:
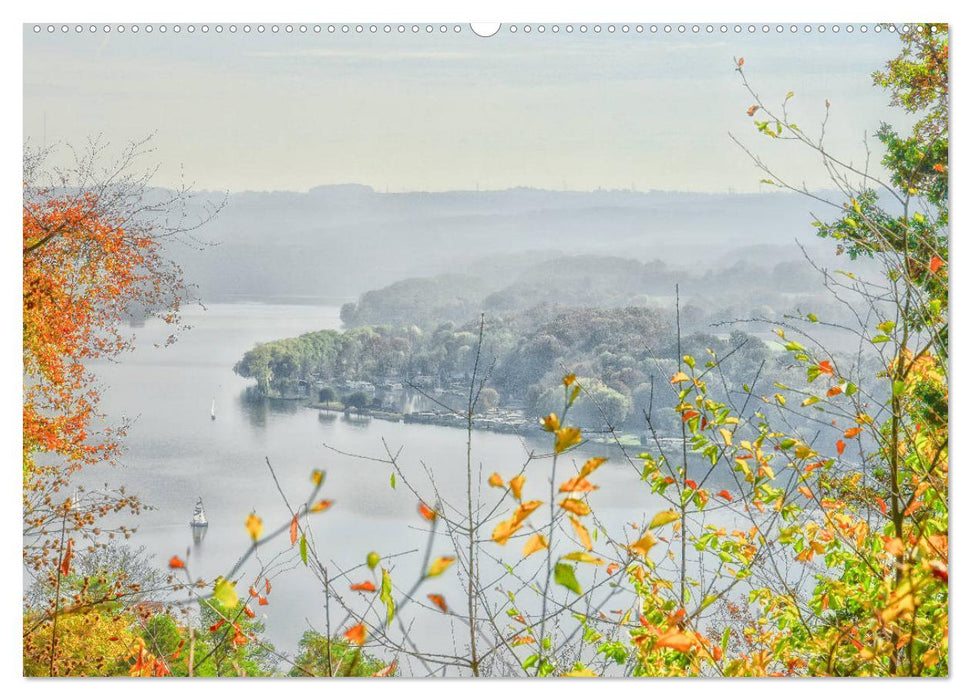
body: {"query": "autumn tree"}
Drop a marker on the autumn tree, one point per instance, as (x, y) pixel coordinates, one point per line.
(94, 253)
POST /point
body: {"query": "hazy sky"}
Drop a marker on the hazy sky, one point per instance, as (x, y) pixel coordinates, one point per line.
(453, 111)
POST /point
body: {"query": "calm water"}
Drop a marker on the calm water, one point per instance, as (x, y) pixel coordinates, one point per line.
(174, 453)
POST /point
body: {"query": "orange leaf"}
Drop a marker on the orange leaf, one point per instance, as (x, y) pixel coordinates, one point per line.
(577, 485)
(496, 480)
(516, 486)
(675, 639)
(894, 546)
(66, 561)
(254, 526)
(840, 446)
(523, 511)
(356, 634)
(825, 367)
(590, 466)
(293, 530)
(752, 110)
(505, 530)
(679, 377)
(575, 506)
(741, 62)
(882, 503)
(321, 506)
(688, 415)
(852, 433)
(804, 490)
(833, 391)
(535, 544)
(439, 601)
(726, 495)
(365, 586)
(261, 600)
(267, 586)
(936, 263)
(386, 671)
(426, 512)
(612, 568)
(176, 563)
(566, 438)
(249, 611)
(691, 484)
(582, 533)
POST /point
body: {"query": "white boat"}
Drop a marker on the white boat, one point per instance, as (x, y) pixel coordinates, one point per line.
(199, 516)
(212, 411)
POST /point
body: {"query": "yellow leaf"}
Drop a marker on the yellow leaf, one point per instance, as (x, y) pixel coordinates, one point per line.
(516, 486)
(439, 566)
(580, 673)
(643, 545)
(317, 477)
(582, 533)
(566, 438)
(584, 558)
(901, 603)
(254, 526)
(496, 480)
(550, 423)
(224, 593)
(680, 377)
(575, 506)
(534, 544)
(663, 518)
(726, 436)
(590, 466)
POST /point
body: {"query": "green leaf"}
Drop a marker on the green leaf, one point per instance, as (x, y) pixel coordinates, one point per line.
(813, 318)
(850, 389)
(373, 559)
(224, 592)
(810, 401)
(886, 327)
(303, 549)
(898, 387)
(386, 594)
(880, 339)
(392, 479)
(564, 575)
(530, 661)
(726, 635)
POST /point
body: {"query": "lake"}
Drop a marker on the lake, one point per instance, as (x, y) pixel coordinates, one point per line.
(174, 453)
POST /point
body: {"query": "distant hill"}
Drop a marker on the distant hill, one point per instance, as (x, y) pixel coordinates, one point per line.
(336, 242)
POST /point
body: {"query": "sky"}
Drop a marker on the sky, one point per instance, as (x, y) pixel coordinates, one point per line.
(455, 111)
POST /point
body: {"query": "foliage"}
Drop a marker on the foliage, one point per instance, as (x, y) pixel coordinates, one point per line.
(319, 656)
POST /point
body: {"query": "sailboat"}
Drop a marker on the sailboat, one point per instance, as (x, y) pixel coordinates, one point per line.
(199, 516)
(212, 411)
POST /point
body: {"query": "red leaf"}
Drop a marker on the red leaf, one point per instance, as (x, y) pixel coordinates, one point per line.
(691, 484)
(688, 415)
(439, 601)
(217, 625)
(840, 446)
(825, 367)
(366, 586)
(882, 504)
(726, 495)
(426, 512)
(267, 582)
(176, 563)
(261, 600)
(249, 611)
(293, 530)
